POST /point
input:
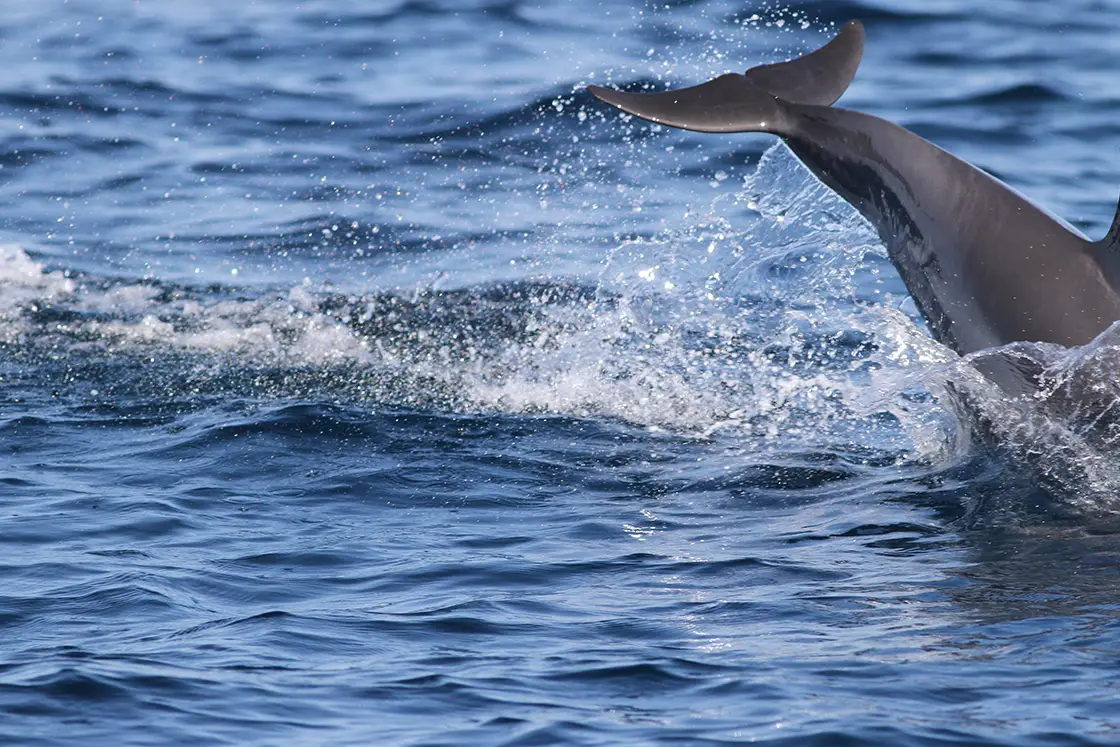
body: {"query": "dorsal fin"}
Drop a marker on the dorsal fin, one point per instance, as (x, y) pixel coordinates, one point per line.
(820, 77)
(1112, 238)
(1108, 251)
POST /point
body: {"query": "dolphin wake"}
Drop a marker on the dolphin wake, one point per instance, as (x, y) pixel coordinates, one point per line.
(771, 321)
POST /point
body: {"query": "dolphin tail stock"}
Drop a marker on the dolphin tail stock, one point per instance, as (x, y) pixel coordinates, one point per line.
(754, 101)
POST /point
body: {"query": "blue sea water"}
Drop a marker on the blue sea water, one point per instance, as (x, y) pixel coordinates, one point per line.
(362, 380)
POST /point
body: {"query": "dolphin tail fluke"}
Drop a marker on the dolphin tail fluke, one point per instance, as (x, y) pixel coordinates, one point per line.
(730, 103)
(753, 102)
(820, 77)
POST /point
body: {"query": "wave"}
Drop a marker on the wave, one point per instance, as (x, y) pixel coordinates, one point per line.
(773, 334)
(1020, 93)
(659, 339)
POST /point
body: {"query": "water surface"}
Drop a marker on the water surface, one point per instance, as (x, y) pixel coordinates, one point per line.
(364, 380)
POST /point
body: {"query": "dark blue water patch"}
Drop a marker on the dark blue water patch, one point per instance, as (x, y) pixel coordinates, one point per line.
(952, 59)
(1022, 93)
(335, 235)
(873, 13)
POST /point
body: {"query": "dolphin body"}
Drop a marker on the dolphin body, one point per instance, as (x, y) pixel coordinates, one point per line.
(985, 265)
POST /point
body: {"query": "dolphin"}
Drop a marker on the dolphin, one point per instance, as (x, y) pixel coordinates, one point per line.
(986, 266)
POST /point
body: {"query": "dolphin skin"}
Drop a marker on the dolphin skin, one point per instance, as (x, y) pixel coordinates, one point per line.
(985, 265)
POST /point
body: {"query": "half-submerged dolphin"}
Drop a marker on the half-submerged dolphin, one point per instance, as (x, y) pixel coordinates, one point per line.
(985, 266)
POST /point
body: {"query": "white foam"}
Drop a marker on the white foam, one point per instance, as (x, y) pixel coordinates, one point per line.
(720, 327)
(687, 345)
(24, 282)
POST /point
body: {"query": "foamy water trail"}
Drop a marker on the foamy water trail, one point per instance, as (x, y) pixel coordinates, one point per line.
(760, 322)
(742, 322)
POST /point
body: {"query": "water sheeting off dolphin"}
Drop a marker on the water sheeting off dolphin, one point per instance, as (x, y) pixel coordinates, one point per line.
(986, 266)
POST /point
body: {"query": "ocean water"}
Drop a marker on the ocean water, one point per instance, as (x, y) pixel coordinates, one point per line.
(362, 380)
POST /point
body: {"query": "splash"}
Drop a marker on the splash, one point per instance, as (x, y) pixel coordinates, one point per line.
(745, 321)
(748, 319)
(761, 320)
(1066, 431)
